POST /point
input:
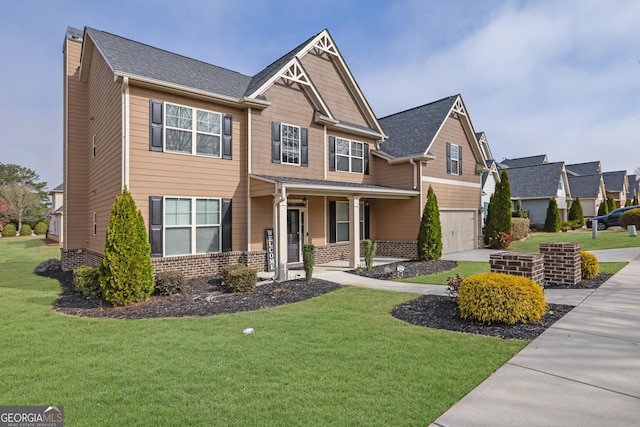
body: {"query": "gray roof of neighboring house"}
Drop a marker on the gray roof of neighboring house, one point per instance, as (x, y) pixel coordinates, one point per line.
(587, 168)
(535, 181)
(412, 131)
(614, 181)
(525, 161)
(58, 189)
(585, 187)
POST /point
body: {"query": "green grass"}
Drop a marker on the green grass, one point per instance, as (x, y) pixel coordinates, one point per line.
(339, 359)
(608, 239)
(611, 267)
(464, 268)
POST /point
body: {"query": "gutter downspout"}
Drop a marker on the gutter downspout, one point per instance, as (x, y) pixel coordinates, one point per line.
(415, 173)
(125, 132)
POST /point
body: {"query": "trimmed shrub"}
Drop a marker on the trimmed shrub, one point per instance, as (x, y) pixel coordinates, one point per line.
(589, 265)
(499, 215)
(630, 217)
(537, 227)
(520, 212)
(603, 209)
(575, 212)
(635, 201)
(519, 228)
(239, 278)
(552, 221)
(430, 233)
(25, 230)
(453, 286)
(87, 281)
(497, 297)
(40, 228)
(628, 203)
(168, 283)
(126, 274)
(9, 230)
(611, 204)
(370, 249)
(308, 260)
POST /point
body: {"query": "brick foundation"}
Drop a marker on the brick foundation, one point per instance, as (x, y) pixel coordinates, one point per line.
(396, 249)
(74, 258)
(562, 264)
(519, 264)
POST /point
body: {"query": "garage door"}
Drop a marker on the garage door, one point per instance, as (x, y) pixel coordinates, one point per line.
(458, 231)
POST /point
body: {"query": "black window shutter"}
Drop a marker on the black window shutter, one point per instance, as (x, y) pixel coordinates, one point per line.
(155, 225)
(366, 159)
(275, 142)
(367, 219)
(304, 147)
(226, 225)
(460, 160)
(448, 157)
(332, 153)
(332, 223)
(155, 128)
(227, 143)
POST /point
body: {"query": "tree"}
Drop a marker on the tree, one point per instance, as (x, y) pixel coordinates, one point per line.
(552, 221)
(603, 209)
(498, 230)
(430, 233)
(575, 212)
(16, 174)
(635, 200)
(611, 204)
(126, 273)
(23, 203)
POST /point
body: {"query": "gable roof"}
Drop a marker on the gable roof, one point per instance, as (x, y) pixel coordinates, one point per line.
(58, 189)
(526, 161)
(615, 181)
(484, 146)
(587, 168)
(586, 186)
(536, 182)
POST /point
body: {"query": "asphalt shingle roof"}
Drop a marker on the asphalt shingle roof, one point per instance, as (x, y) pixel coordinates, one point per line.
(585, 187)
(588, 168)
(59, 188)
(412, 131)
(304, 181)
(535, 181)
(614, 181)
(525, 161)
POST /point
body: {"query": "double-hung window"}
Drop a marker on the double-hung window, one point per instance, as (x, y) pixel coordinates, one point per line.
(349, 156)
(342, 222)
(454, 159)
(192, 131)
(290, 138)
(192, 225)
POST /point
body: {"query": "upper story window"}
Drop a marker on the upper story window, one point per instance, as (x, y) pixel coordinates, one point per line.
(192, 131)
(349, 156)
(290, 144)
(454, 159)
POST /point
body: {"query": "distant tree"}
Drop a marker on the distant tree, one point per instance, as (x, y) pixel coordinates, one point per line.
(552, 221)
(23, 203)
(430, 233)
(16, 174)
(628, 202)
(635, 200)
(603, 209)
(498, 230)
(575, 212)
(611, 204)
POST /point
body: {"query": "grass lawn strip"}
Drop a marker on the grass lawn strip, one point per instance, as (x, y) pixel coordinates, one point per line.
(609, 239)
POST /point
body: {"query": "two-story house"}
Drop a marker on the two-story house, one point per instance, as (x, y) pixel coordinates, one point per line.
(55, 214)
(223, 164)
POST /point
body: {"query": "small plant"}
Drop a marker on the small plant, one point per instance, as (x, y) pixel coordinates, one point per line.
(370, 249)
(497, 297)
(519, 228)
(308, 260)
(86, 280)
(239, 278)
(630, 217)
(453, 286)
(9, 230)
(40, 228)
(168, 283)
(589, 265)
(552, 221)
(505, 239)
(25, 230)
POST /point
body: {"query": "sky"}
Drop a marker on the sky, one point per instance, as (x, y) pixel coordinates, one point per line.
(555, 77)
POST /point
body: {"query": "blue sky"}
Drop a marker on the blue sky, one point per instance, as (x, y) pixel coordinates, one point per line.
(555, 77)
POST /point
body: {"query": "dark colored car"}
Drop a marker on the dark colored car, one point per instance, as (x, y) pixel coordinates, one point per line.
(610, 220)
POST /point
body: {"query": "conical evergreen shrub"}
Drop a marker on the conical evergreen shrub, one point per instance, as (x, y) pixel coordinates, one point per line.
(575, 212)
(126, 273)
(611, 204)
(552, 222)
(603, 208)
(498, 230)
(430, 234)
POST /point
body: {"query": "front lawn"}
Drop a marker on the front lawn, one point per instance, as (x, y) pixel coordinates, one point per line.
(607, 239)
(464, 269)
(338, 359)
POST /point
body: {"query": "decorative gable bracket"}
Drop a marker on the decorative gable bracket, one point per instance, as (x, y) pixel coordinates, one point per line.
(458, 107)
(325, 44)
(295, 73)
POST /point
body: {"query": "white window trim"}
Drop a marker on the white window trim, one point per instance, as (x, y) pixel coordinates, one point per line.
(194, 131)
(193, 225)
(282, 162)
(350, 156)
(456, 159)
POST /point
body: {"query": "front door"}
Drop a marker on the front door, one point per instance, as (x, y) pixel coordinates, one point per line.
(293, 235)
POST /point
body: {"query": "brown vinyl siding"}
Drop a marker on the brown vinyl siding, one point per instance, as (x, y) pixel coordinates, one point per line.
(316, 212)
(453, 196)
(261, 219)
(261, 188)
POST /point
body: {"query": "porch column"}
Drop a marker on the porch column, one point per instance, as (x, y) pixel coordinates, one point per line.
(280, 219)
(354, 231)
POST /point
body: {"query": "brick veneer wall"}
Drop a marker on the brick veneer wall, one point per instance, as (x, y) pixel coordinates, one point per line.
(562, 264)
(519, 264)
(333, 252)
(397, 248)
(74, 258)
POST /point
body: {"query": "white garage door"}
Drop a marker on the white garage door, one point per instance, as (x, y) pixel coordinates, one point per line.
(458, 231)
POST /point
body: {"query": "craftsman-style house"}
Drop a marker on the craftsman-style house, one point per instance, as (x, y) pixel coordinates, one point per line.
(226, 167)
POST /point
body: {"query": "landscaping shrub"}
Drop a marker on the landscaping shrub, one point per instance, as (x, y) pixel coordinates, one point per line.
(497, 297)
(611, 203)
(552, 221)
(589, 264)
(40, 228)
(603, 209)
(430, 233)
(126, 274)
(537, 227)
(575, 213)
(453, 286)
(9, 230)
(520, 212)
(86, 280)
(168, 283)
(370, 250)
(239, 278)
(308, 260)
(519, 228)
(25, 230)
(630, 217)
(499, 215)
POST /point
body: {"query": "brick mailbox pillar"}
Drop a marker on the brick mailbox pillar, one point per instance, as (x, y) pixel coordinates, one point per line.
(519, 264)
(562, 263)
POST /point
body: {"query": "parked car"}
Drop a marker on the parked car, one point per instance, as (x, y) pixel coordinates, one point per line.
(610, 220)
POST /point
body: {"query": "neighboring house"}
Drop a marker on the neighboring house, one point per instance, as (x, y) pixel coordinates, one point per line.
(535, 185)
(634, 186)
(583, 169)
(433, 145)
(519, 162)
(490, 177)
(591, 191)
(55, 214)
(617, 186)
(216, 160)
